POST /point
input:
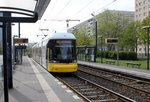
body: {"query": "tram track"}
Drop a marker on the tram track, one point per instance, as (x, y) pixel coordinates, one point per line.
(95, 85)
(90, 91)
(135, 89)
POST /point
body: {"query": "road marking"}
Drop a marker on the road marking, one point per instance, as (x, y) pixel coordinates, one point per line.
(59, 82)
(56, 80)
(75, 97)
(63, 86)
(50, 94)
(69, 91)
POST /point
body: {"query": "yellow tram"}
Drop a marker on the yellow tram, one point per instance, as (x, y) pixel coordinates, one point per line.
(57, 53)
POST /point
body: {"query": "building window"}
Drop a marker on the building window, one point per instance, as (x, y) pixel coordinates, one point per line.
(144, 14)
(148, 12)
(145, 7)
(140, 3)
(145, 1)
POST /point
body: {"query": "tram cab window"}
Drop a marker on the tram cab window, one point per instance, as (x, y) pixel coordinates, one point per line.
(64, 50)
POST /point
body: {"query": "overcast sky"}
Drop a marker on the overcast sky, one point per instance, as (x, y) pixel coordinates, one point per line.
(60, 10)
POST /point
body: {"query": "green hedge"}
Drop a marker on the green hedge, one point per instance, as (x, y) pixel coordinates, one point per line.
(123, 55)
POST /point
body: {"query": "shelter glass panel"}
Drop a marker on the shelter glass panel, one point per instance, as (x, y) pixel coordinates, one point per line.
(18, 6)
(1, 66)
(27, 4)
(85, 53)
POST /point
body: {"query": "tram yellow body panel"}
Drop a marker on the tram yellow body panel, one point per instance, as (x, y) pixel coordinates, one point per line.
(62, 67)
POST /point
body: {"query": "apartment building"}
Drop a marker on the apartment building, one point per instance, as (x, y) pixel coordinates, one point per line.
(142, 9)
(90, 23)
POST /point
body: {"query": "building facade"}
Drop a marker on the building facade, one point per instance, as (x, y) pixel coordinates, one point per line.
(142, 9)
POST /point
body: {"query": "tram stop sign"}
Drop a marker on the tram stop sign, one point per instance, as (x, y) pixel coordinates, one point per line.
(111, 40)
(20, 40)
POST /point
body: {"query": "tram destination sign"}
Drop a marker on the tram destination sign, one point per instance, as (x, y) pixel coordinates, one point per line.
(111, 40)
(20, 40)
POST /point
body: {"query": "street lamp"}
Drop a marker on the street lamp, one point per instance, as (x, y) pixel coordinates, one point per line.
(95, 37)
(147, 27)
(19, 29)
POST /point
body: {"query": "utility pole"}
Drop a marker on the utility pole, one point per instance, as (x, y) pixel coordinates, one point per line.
(66, 20)
(148, 30)
(94, 16)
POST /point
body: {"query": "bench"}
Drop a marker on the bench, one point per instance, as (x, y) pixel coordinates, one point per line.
(133, 64)
(110, 62)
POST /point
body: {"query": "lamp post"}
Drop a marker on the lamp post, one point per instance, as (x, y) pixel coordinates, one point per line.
(101, 37)
(19, 29)
(95, 37)
(136, 45)
(147, 27)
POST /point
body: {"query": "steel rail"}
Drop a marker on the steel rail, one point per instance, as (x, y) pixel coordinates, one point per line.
(82, 96)
(121, 97)
(133, 88)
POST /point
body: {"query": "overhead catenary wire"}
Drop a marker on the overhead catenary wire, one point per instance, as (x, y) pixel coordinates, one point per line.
(84, 7)
(106, 5)
(76, 12)
(63, 8)
(51, 10)
(98, 11)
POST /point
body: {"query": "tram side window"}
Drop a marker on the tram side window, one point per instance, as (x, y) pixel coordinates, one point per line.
(50, 54)
(46, 54)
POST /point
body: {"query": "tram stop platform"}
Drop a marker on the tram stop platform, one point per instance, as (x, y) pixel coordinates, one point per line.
(32, 83)
(135, 72)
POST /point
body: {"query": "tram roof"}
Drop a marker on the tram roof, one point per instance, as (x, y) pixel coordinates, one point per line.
(56, 36)
(62, 36)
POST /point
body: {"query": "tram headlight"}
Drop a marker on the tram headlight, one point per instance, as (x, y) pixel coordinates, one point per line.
(74, 61)
(53, 61)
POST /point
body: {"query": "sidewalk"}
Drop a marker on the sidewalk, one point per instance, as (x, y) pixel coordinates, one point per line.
(121, 69)
(31, 83)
